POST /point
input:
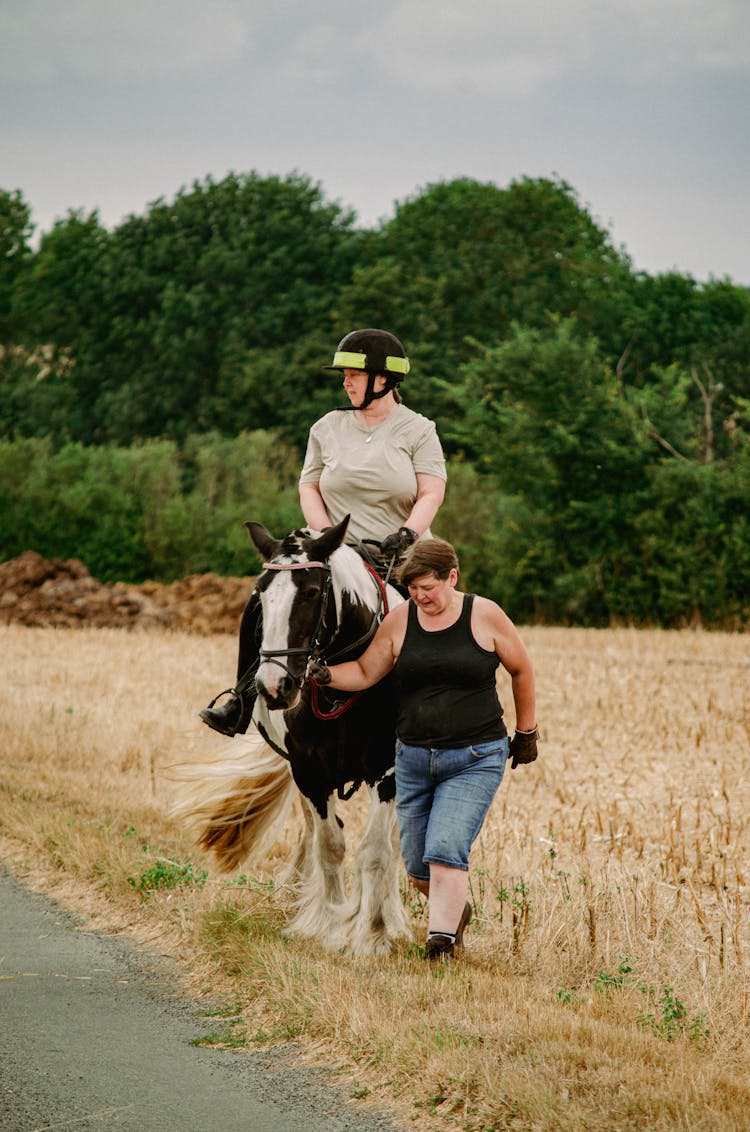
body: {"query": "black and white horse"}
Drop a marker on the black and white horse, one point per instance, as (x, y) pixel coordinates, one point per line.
(319, 599)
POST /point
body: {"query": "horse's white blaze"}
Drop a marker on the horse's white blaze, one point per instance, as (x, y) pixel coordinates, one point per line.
(277, 602)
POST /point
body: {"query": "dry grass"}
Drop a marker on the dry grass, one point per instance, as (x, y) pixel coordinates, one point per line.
(605, 981)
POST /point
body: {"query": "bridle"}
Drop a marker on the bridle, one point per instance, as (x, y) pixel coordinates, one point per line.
(314, 650)
(271, 655)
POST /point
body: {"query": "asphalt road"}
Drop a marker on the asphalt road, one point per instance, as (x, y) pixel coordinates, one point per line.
(93, 1035)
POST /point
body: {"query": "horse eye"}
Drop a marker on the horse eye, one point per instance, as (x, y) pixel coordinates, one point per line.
(310, 592)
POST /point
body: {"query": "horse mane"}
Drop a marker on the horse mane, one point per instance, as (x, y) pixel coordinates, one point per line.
(353, 577)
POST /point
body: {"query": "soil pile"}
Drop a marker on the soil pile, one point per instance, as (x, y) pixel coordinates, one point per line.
(53, 593)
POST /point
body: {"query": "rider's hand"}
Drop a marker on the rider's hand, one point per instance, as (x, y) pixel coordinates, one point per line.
(318, 672)
(398, 543)
(523, 747)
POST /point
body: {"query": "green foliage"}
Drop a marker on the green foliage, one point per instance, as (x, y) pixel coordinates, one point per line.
(546, 420)
(464, 260)
(37, 391)
(15, 254)
(235, 1037)
(605, 982)
(158, 382)
(148, 511)
(167, 872)
(670, 1020)
(675, 320)
(693, 545)
(475, 517)
(252, 476)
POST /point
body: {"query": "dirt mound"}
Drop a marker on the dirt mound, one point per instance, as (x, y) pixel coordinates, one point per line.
(201, 603)
(38, 591)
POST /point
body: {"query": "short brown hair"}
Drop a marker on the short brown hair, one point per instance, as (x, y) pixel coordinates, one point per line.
(428, 556)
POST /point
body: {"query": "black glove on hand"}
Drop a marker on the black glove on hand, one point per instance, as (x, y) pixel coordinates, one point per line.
(318, 672)
(523, 748)
(398, 543)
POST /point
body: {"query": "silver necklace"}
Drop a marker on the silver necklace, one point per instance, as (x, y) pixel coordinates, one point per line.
(370, 433)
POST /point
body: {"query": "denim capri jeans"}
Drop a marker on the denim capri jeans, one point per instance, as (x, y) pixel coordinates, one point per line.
(442, 799)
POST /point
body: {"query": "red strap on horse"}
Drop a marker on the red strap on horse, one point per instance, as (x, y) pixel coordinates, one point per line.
(339, 711)
(380, 584)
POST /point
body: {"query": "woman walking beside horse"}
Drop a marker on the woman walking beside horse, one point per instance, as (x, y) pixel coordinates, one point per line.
(443, 648)
(374, 460)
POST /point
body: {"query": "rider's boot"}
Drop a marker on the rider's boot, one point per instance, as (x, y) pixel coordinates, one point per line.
(232, 717)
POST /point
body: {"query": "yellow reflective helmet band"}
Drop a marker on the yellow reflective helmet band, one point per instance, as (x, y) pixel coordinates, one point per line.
(345, 360)
(397, 365)
(349, 361)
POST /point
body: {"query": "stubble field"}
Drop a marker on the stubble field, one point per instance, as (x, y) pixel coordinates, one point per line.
(604, 983)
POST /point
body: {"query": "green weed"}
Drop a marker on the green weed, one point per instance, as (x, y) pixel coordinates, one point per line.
(235, 1038)
(167, 872)
(606, 982)
(672, 1020)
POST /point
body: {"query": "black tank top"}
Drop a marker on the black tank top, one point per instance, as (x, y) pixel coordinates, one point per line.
(445, 684)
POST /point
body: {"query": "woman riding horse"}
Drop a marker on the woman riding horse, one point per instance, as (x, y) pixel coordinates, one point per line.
(379, 462)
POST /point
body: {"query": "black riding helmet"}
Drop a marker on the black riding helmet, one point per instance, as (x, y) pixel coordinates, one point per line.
(373, 352)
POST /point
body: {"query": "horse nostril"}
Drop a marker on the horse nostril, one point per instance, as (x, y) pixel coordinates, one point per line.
(287, 686)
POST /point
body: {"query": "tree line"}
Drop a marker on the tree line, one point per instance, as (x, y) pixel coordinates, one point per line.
(158, 380)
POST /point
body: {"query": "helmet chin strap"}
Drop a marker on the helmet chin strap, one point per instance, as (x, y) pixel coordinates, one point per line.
(370, 394)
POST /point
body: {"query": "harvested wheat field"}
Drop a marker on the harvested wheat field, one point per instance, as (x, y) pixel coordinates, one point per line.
(604, 983)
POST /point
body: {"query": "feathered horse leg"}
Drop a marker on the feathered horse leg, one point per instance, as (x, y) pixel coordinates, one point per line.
(301, 864)
(320, 892)
(375, 915)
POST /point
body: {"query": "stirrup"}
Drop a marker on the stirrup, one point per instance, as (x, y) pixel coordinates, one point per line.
(226, 692)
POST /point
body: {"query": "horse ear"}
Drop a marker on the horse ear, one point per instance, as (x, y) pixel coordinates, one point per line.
(264, 542)
(330, 540)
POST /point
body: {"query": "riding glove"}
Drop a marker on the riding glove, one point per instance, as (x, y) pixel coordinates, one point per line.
(523, 747)
(399, 542)
(318, 672)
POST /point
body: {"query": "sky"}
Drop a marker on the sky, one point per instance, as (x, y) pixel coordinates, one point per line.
(642, 106)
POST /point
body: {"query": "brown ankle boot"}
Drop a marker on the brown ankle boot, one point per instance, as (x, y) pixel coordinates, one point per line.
(438, 947)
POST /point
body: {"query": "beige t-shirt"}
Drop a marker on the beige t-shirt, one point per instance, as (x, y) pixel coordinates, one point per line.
(370, 474)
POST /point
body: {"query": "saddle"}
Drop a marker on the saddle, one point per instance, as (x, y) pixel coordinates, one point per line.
(369, 551)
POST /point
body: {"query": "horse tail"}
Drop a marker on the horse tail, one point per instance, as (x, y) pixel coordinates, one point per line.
(236, 809)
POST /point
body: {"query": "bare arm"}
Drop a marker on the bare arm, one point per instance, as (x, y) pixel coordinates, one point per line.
(494, 629)
(313, 507)
(378, 658)
(430, 495)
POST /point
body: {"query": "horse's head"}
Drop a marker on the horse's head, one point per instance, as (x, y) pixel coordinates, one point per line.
(294, 590)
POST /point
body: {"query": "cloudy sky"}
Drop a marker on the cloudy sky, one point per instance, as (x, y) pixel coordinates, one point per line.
(641, 105)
